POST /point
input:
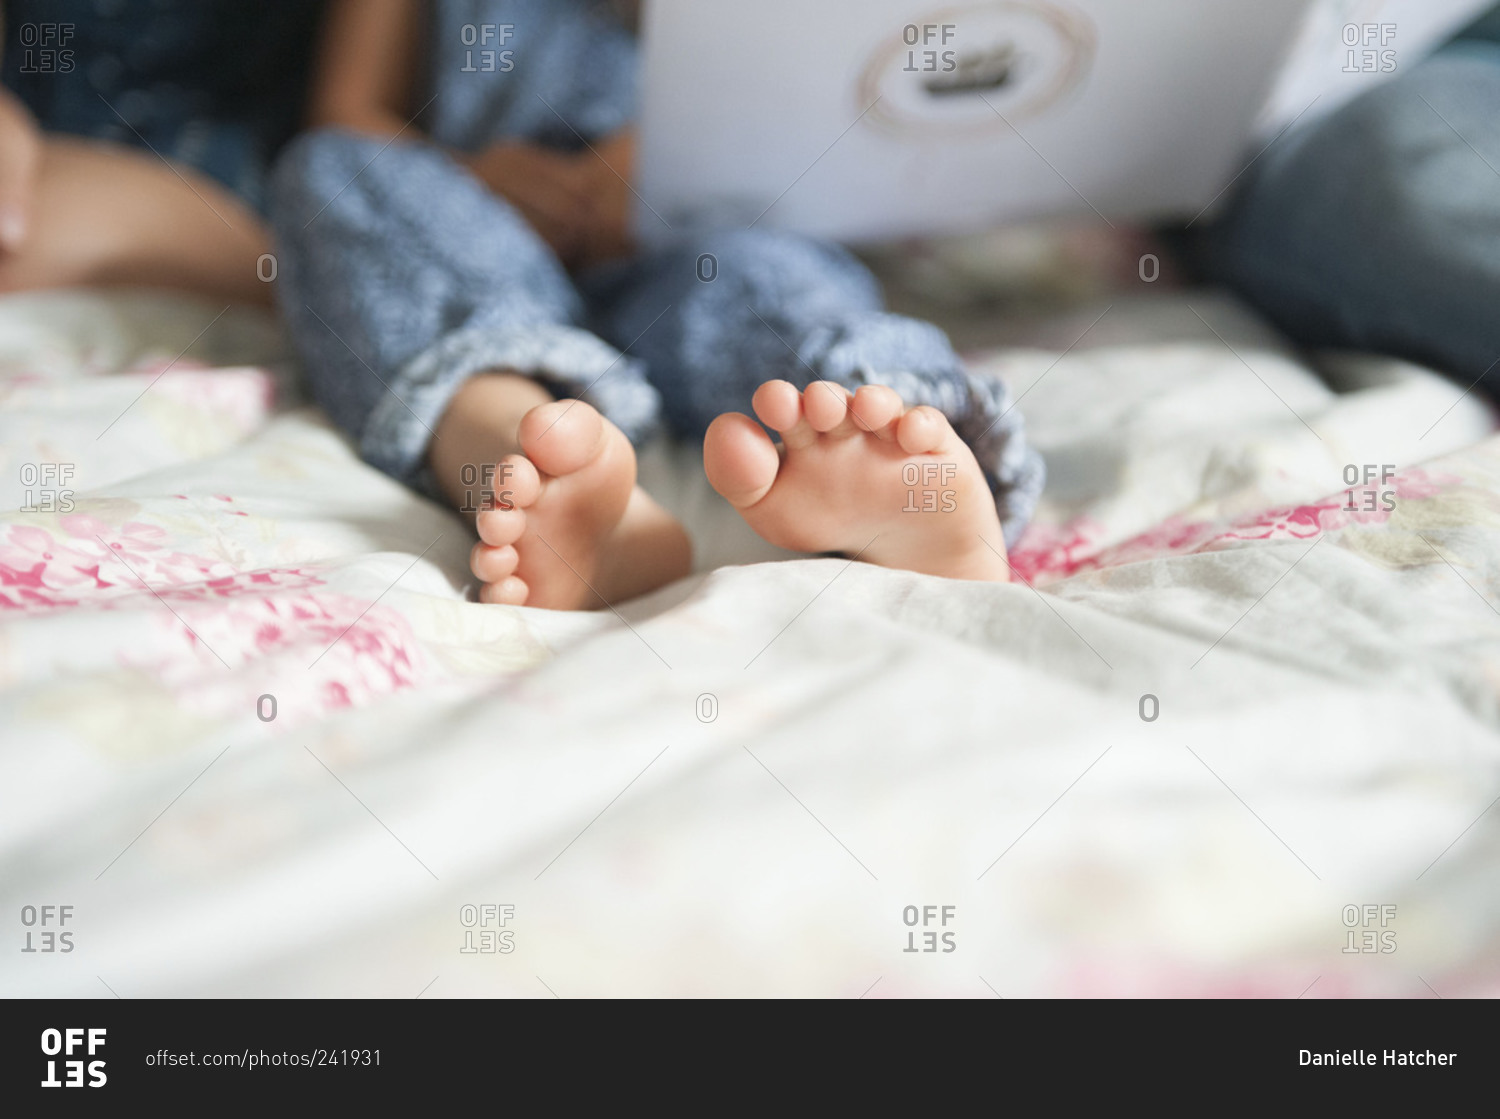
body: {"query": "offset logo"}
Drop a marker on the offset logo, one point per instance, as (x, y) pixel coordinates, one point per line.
(66, 1043)
(957, 70)
(45, 939)
(490, 920)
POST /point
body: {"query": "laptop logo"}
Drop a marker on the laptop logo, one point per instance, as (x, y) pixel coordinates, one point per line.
(969, 68)
(978, 71)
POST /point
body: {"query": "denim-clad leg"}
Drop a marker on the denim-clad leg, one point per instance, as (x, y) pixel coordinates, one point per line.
(401, 276)
(1379, 227)
(719, 313)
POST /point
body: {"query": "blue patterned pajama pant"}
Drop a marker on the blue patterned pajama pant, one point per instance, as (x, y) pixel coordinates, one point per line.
(401, 275)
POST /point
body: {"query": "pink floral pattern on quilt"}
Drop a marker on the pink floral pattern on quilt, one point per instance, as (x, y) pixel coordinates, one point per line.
(1048, 552)
(348, 650)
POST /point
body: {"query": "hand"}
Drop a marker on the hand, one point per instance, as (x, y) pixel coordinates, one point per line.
(578, 203)
(20, 156)
(608, 168)
(549, 188)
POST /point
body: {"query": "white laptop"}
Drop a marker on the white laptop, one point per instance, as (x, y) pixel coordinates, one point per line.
(865, 120)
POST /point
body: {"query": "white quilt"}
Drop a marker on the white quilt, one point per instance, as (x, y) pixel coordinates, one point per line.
(1239, 738)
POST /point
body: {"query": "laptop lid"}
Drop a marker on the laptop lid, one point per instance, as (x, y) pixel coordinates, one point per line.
(864, 120)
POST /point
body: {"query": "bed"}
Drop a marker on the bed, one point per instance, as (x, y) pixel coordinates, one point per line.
(1234, 731)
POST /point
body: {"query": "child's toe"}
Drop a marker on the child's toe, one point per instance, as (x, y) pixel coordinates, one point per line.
(740, 460)
(516, 484)
(778, 404)
(826, 405)
(562, 436)
(497, 527)
(922, 430)
(509, 591)
(490, 564)
(875, 409)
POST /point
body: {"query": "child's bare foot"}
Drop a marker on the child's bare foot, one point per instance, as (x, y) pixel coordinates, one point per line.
(579, 532)
(866, 477)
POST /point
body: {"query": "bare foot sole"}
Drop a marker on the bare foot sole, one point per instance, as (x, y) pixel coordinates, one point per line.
(864, 476)
(578, 533)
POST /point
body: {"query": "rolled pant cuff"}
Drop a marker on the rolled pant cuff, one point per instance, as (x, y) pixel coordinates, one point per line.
(569, 362)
